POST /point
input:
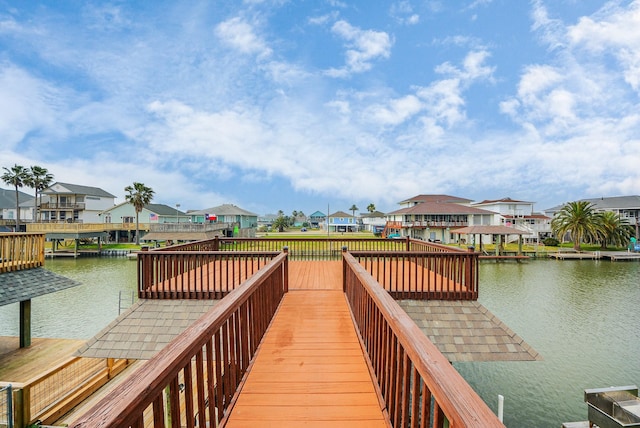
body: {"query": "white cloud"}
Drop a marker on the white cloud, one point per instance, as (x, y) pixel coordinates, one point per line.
(363, 47)
(239, 34)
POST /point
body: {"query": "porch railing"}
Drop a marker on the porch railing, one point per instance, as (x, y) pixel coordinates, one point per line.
(196, 274)
(192, 381)
(423, 276)
(420, 388)
(20, 251)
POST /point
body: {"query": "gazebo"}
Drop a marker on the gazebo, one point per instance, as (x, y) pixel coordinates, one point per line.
(498, 231)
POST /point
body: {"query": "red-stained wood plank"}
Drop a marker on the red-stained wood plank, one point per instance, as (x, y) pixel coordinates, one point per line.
(310, 369)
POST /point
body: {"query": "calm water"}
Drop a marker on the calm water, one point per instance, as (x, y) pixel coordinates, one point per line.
(582, 316)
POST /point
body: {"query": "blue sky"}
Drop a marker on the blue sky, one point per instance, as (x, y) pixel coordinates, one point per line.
(300, 105)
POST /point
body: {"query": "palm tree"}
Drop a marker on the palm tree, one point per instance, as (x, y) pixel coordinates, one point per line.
(613, 229)
(353, 210)
(579, 219)
(371, 208)
(39, 179)
(16, 176)
(138, 195)
(280, 223)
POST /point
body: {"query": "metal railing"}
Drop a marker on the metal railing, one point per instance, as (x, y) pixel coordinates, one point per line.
(423, 276)
(193, 380)
(420, 388)
(20, 251)
(196, 274)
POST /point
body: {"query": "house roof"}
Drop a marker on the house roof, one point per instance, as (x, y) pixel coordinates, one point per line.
(317, 214)
(160, 209)
(440, 208)
(224, 209)
(340, 214)
(436, 198)
(8, 198)
(506, 200)
(374, 214)
(616, 202)
(58, 188)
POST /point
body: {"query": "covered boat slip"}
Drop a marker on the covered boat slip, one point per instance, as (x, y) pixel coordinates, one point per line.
(311, 365)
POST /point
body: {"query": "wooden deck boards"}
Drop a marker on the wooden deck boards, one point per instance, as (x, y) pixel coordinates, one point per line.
(310, 369)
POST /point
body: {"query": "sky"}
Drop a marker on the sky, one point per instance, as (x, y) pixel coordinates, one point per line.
(319, 105)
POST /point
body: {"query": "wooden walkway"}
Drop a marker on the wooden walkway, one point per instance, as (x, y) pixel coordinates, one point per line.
(310, 369)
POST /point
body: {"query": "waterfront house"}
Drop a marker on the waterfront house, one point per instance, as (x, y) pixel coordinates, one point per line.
(152, 214)
(244, 221)
(73, 203)
(628, 207)
(434, 217)
(519, 215)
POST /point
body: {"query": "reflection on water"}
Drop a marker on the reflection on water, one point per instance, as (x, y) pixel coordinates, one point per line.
(78, 312)
(581, 316)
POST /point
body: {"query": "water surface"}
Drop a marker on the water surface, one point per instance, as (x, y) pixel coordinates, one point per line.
(581, 316)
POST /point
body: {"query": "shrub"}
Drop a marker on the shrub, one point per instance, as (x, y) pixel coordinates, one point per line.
(551, 242)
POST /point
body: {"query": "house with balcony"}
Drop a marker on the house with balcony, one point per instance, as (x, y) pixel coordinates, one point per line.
(152, 215)
(628, 207)
(316, 219)
(340, 221)
(519, 215)
(74, 203)
(434, 217)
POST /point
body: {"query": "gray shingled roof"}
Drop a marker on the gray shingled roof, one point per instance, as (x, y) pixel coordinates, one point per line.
(224, 209)
(26, 284)
(8, 198)
(467, 331)
(77, 190)
(145, 328)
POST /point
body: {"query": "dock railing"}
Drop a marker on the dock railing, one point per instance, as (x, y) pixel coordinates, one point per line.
(419, 386)
(53, 393)
(423, 275)
(192, 381)
(20, 251)
(196, 274)
(316, 248)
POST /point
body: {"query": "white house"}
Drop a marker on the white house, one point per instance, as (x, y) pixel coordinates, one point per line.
(520, 215)
(73, 203)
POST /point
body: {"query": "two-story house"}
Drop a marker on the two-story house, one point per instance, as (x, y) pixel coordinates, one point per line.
(342, 222)
(373, 222)
(520, 215)
(433, 217)
(73, 203)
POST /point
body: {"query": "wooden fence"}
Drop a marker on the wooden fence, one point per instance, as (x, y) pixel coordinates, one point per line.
(192, 381)
(21, 251)
(420, 388)
(424, 276)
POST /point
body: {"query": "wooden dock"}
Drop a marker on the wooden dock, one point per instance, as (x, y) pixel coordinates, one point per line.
(310, 369)
(596, 255)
